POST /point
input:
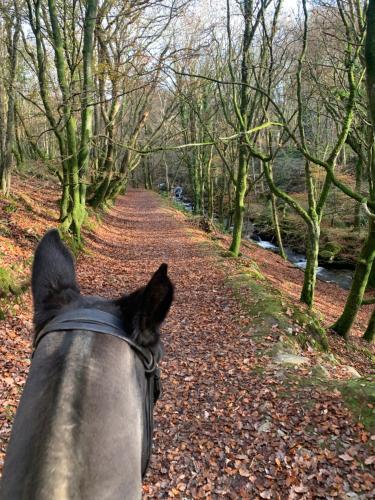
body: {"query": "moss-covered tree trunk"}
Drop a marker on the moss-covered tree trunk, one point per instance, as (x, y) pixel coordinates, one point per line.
(358, 188)
(74, 218)
(76, 157)
(369, 334)
(101, 191)
(367, 255)
(358, 288)
(276, 226)
(242, 115)
(312, 253)
(87, 96)
(210, 188)
(275, 219)
(41, 64)
(221, 193)
(195, 183)
(239, 200)
(312, 219)
(6, 158)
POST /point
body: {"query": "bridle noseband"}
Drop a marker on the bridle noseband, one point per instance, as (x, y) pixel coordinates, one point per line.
(95, 320)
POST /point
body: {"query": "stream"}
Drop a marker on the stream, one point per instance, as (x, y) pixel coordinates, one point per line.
(342, 277)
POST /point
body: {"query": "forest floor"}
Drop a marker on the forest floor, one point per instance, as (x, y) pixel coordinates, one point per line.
(233, 422)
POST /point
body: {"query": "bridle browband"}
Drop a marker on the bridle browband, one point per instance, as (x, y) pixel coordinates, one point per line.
(95, 320)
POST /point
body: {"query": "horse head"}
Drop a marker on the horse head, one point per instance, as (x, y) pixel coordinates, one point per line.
(83, 428)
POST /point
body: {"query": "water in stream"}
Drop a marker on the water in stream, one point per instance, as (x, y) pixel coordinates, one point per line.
(342, 277)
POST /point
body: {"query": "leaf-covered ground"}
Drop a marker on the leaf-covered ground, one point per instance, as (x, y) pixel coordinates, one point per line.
(231, 423)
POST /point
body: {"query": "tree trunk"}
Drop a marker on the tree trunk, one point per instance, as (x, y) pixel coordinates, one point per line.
(276, 226)
(239, 201)
(74, 218)
(7, 157)
(195, 186)
(241, 182)
(167, 184)
(65, 194)
(210, 192)
(369, 334)
(101, 191)
(275, 218)
(358, 188)
(201, 181)
(359, 284)
(87, 96)
(312, 252)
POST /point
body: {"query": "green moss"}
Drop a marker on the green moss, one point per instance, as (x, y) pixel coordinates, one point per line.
(359, 396)
(227, 254)
(313, 333)
(91, 220)
(284, 345)
(6, 281)
(325, 254)
(71, 242)
(10, 207)
(258, 369)
(4, 229)
(363, 350)
(258, 299)
(9, 284)
(330, 251)
(253, 270)
(262, 300)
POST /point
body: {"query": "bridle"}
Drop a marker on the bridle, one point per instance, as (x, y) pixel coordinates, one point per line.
(95, 320)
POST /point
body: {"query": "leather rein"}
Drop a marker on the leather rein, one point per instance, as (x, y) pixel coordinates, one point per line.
(95, 320)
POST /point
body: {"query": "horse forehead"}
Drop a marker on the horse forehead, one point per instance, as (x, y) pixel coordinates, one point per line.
(86, 364)
(91, 381)
(83, 357)
(96, 302)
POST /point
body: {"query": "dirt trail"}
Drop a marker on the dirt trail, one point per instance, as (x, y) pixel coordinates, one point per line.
(227, 426)
(222, 430)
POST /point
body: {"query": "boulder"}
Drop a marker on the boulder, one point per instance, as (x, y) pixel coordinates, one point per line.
(265, 426)
(285, 358)
(350, 370)
(319, 371)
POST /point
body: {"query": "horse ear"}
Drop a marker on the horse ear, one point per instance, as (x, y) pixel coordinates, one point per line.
(53, 277)
(145, 309)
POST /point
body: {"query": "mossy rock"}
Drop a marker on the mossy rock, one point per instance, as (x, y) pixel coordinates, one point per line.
(288, 359)
(320, 372)
(313, 334)
(359, 396)
(6, 281)
(10, 285)
(252, 269)
(259, 300)
(326, 255)
(329, 358)
(333, 247)
(284, 346)
(330, 251)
